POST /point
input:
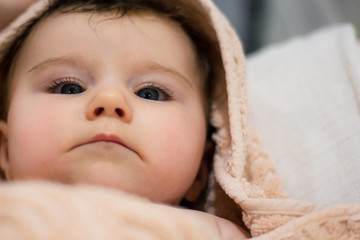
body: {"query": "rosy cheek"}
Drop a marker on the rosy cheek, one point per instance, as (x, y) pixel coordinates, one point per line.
(179, 138)
(35, 131)
(30, 137)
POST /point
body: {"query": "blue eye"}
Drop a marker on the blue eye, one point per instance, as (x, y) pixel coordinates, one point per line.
(149, 93)
(70, 89)
(66, 86)
(154, 93)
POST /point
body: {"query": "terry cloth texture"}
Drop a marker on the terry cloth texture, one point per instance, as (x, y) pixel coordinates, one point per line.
(244, 186)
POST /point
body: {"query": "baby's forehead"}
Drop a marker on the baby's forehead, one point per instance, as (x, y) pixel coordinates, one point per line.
(127, 39)
(114, 30)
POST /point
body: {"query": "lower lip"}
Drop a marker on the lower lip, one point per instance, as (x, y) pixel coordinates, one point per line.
(107, 143)
(96, 148)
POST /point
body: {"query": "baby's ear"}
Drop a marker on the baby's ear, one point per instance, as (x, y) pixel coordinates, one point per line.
(4, 156)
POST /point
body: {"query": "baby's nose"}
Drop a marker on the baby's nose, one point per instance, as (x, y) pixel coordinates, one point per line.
(109, 103)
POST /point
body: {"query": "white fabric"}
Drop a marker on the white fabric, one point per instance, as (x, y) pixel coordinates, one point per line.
(305, 97)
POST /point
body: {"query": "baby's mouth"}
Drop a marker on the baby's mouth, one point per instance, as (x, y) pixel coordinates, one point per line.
(108, 140)
(105, 138)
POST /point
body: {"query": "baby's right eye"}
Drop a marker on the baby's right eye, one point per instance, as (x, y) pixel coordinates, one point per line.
(66, 86)
(69, 89)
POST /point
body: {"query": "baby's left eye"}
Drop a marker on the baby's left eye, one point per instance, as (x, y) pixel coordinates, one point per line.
(151, 93)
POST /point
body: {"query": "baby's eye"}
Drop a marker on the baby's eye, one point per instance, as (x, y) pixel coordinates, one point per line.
(154, 94)
(66, 86)
(150, 94)
(69, 89)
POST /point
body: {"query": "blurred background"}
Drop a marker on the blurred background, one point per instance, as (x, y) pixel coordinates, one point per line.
(262, 22)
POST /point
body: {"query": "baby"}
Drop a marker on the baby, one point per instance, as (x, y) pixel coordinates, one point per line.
(110, 93)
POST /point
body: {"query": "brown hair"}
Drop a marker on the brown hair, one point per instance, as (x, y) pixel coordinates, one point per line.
(169, 9)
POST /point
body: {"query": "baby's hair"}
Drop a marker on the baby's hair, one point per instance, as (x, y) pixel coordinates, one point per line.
(168, 9)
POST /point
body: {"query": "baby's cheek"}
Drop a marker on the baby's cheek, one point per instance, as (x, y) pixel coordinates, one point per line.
(179, 143)
(31, 142)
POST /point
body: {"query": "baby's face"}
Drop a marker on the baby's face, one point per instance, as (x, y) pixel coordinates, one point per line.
(108, 102)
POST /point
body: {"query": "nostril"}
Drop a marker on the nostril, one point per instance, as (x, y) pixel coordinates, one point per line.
(98, 111)
(119, 112)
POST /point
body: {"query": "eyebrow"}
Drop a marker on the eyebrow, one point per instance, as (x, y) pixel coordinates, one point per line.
(66, 60)
(158, 67)
(75, 60)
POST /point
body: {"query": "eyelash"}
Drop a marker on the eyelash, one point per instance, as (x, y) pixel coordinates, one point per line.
(62, 81)
(167, 93)
(72, 80)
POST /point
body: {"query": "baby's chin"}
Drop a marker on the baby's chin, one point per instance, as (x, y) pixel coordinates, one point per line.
(121, 169)
(110, 179)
